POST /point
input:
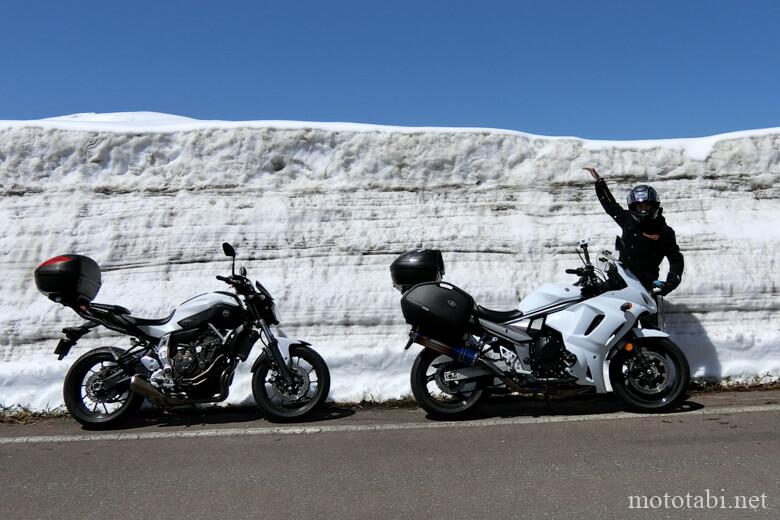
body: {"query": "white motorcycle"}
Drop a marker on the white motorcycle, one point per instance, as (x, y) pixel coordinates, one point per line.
(581, 337)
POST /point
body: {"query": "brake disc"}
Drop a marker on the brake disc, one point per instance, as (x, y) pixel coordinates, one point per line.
(651, 376)
(298, 390)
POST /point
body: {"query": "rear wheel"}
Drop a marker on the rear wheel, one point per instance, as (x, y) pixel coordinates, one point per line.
(90, 398)
(309, 389)
(440, 398)
(652, 379)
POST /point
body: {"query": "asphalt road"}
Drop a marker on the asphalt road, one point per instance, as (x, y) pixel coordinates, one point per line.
(579, 459)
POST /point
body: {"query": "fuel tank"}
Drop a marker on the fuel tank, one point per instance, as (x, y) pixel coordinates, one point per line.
(548, 295)
(222, 309)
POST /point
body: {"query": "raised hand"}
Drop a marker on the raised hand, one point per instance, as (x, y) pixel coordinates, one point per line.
(593, 173)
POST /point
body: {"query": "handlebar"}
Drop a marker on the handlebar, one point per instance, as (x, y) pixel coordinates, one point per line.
(233, 280)
(580, 271)
(241, 284)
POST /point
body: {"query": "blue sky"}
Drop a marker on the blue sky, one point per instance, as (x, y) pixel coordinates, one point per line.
(595, 69)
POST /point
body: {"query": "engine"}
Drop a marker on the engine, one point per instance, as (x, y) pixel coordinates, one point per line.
(192, 358)
(549, 357)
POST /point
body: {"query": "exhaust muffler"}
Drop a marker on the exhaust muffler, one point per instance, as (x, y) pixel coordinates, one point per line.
(143, 387)
(465, 355)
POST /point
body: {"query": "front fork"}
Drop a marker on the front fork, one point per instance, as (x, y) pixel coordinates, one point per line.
(272, 347)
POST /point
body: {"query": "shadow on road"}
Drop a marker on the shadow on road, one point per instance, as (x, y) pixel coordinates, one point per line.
(532, 406)
(191, 416)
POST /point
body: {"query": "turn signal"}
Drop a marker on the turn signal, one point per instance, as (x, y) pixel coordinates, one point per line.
(626, 306)
(629, 347)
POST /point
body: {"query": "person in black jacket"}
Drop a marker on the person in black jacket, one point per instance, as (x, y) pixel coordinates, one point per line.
(646, 240)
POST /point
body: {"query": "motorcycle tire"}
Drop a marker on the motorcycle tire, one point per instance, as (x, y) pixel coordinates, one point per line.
(444, 400)
(655, 379)
(86, 400)
(312, 386)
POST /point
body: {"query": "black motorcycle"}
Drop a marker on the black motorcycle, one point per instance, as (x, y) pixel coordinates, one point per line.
(186, 358)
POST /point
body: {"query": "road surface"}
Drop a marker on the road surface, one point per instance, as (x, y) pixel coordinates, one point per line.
(717, 458)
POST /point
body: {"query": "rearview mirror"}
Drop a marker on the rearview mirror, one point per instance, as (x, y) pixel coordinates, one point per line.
(228, 249)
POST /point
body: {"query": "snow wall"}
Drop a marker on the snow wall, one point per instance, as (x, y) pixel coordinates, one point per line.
(318, 211)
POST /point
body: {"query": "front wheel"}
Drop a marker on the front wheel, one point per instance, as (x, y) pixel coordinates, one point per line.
(652, 379)
(441, 398)
(309, 389)
(89, 395)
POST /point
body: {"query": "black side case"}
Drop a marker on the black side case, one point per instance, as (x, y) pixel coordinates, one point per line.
(68, 279)
(416, 266)
(439, 309)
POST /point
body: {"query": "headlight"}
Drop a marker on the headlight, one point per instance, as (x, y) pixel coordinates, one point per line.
(275, 313)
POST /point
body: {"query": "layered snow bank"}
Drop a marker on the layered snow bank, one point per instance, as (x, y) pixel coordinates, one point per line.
(318, 211)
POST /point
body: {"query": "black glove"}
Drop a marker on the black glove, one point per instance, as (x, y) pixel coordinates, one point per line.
(671, 283)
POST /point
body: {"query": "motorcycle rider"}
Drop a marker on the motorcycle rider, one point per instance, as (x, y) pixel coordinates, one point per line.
(646, 240)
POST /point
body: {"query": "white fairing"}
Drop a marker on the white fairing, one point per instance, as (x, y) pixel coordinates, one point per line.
(592, 349)
(185, 310)
(548, 295)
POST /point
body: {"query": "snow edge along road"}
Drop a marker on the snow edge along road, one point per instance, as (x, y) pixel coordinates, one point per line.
(304, 430)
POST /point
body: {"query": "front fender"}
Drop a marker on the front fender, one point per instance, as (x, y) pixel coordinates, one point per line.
(285, 344)
(649, 333)
(636, 334)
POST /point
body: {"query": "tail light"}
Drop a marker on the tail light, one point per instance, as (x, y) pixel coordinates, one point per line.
(55, 260)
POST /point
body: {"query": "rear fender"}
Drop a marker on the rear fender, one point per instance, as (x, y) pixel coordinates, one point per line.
(285, 346)
(71, 336)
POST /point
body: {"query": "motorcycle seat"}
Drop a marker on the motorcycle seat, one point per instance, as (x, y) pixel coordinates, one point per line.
(127, 318)
(113, 309)
(498, 316)
(147, 321)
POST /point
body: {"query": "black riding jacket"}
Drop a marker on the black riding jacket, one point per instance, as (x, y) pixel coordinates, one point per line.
(644, 245)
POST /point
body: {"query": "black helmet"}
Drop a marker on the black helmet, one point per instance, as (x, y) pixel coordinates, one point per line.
(643, 203)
